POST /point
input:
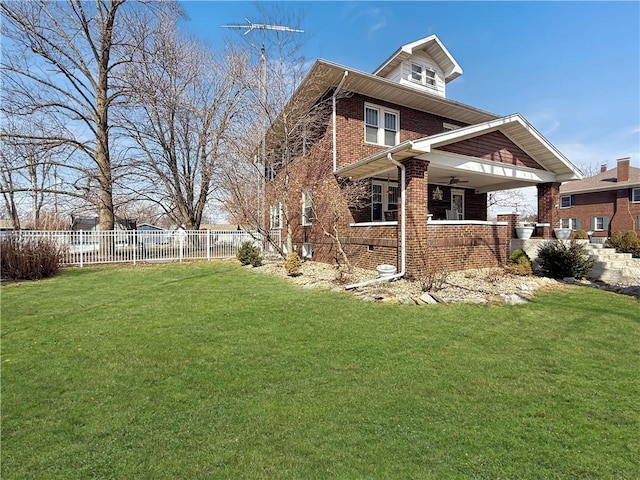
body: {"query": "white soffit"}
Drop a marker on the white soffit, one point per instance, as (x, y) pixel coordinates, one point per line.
(324, 75)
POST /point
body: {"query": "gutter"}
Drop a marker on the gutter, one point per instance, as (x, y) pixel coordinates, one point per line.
(403, 231)
(333, 118)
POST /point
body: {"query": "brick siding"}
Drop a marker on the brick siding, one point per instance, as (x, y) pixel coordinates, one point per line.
(615, 205)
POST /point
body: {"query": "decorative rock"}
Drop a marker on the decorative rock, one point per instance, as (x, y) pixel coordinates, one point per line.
(405, 299)
(514, 299)
(426, 298)
(569, 279)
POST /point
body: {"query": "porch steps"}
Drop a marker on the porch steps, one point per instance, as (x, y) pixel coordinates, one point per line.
(612, 267)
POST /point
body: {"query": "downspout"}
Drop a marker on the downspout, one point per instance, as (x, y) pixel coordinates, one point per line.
(333, 118)
(403, 231)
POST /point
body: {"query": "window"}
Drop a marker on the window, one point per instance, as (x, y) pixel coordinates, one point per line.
(599, 223)
(572, 223)
(566, 201)
(384, 198)
(307, 208)
(635, 195)
(457, 202)
(422, 75)
(306, 250)
(275, 216)
(381, 125)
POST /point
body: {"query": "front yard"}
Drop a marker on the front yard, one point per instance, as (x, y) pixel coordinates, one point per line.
(209, 370)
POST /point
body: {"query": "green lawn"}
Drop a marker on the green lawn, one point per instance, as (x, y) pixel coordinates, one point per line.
(209, 370)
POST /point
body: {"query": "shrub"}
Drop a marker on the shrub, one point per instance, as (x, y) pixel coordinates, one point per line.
(28, 259)
(559, 259)
(579, 235)
(627, 243)
(433, 282)
(293, 265)
(519, 263)
(249, 254)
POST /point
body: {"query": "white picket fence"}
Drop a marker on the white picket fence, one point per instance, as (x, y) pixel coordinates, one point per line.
(137, 246)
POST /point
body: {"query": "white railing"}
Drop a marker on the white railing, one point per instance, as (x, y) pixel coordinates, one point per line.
(133, 246)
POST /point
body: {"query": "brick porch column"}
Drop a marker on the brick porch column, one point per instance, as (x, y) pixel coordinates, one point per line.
(548, 204)
(416, 221)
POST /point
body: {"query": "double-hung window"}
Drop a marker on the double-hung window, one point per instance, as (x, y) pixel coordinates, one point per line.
(599, 223)
(572, 223)
(635, 195)
(275, 216)
(381, 125)
(566, 201)
(307, 208)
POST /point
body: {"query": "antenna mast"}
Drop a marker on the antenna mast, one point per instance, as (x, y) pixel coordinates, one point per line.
(250, 26)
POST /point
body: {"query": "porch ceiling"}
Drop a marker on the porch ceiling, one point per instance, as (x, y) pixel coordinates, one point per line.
(481, 176)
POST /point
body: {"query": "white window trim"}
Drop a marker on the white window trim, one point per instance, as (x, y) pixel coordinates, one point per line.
(307, 251)
(275, 211)
(381, 111)
(635, 192)
(423, 74)
(385, 184)
(307, 203)
(570, 222)
(457, 191)
(571, 201)
(595, 224)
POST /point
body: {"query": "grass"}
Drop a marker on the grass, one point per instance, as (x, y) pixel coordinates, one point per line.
(209, 370)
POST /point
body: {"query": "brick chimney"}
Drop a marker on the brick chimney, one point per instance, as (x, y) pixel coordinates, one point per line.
(623, 169)
(603, 168)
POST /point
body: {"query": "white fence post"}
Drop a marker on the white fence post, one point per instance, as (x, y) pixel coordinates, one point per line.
(134, 247)
(208, 245)
(81, 250)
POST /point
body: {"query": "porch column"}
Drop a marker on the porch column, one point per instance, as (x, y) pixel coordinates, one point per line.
(416, 221)
(548, 204)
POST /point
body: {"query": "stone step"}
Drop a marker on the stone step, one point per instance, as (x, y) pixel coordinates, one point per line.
(615, 263)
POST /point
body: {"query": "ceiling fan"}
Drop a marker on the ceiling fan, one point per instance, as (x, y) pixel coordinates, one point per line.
(456, 180)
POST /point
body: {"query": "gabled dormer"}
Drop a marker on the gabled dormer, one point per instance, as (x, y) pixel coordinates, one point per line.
(424, 64)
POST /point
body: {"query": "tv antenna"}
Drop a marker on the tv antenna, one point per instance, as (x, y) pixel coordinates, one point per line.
(263, 26)
(250, 26)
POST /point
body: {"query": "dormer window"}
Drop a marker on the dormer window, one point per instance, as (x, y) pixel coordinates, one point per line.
(423, 75)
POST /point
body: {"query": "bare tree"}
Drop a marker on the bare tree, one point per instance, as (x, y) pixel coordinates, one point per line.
(282, 131)
(183, 104)
(61, 61)
(335, 198)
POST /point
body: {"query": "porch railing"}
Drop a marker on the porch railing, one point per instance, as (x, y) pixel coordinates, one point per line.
(134, 246)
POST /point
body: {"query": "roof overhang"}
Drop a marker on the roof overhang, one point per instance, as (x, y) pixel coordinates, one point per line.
(433, 47)
(483, 175)
(564, 190)
(325, 75)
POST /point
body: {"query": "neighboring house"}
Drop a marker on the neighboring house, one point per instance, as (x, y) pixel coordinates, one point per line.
(151, 234)
(429, 163)
(602, 204)
(90, 224)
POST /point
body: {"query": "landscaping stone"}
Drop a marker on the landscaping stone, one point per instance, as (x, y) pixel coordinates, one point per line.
(426, 298)
(514, 299)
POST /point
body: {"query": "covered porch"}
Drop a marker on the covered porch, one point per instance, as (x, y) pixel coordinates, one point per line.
(444, 180)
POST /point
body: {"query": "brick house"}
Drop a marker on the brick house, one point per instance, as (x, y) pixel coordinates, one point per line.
(429, 163)
(604, 203)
